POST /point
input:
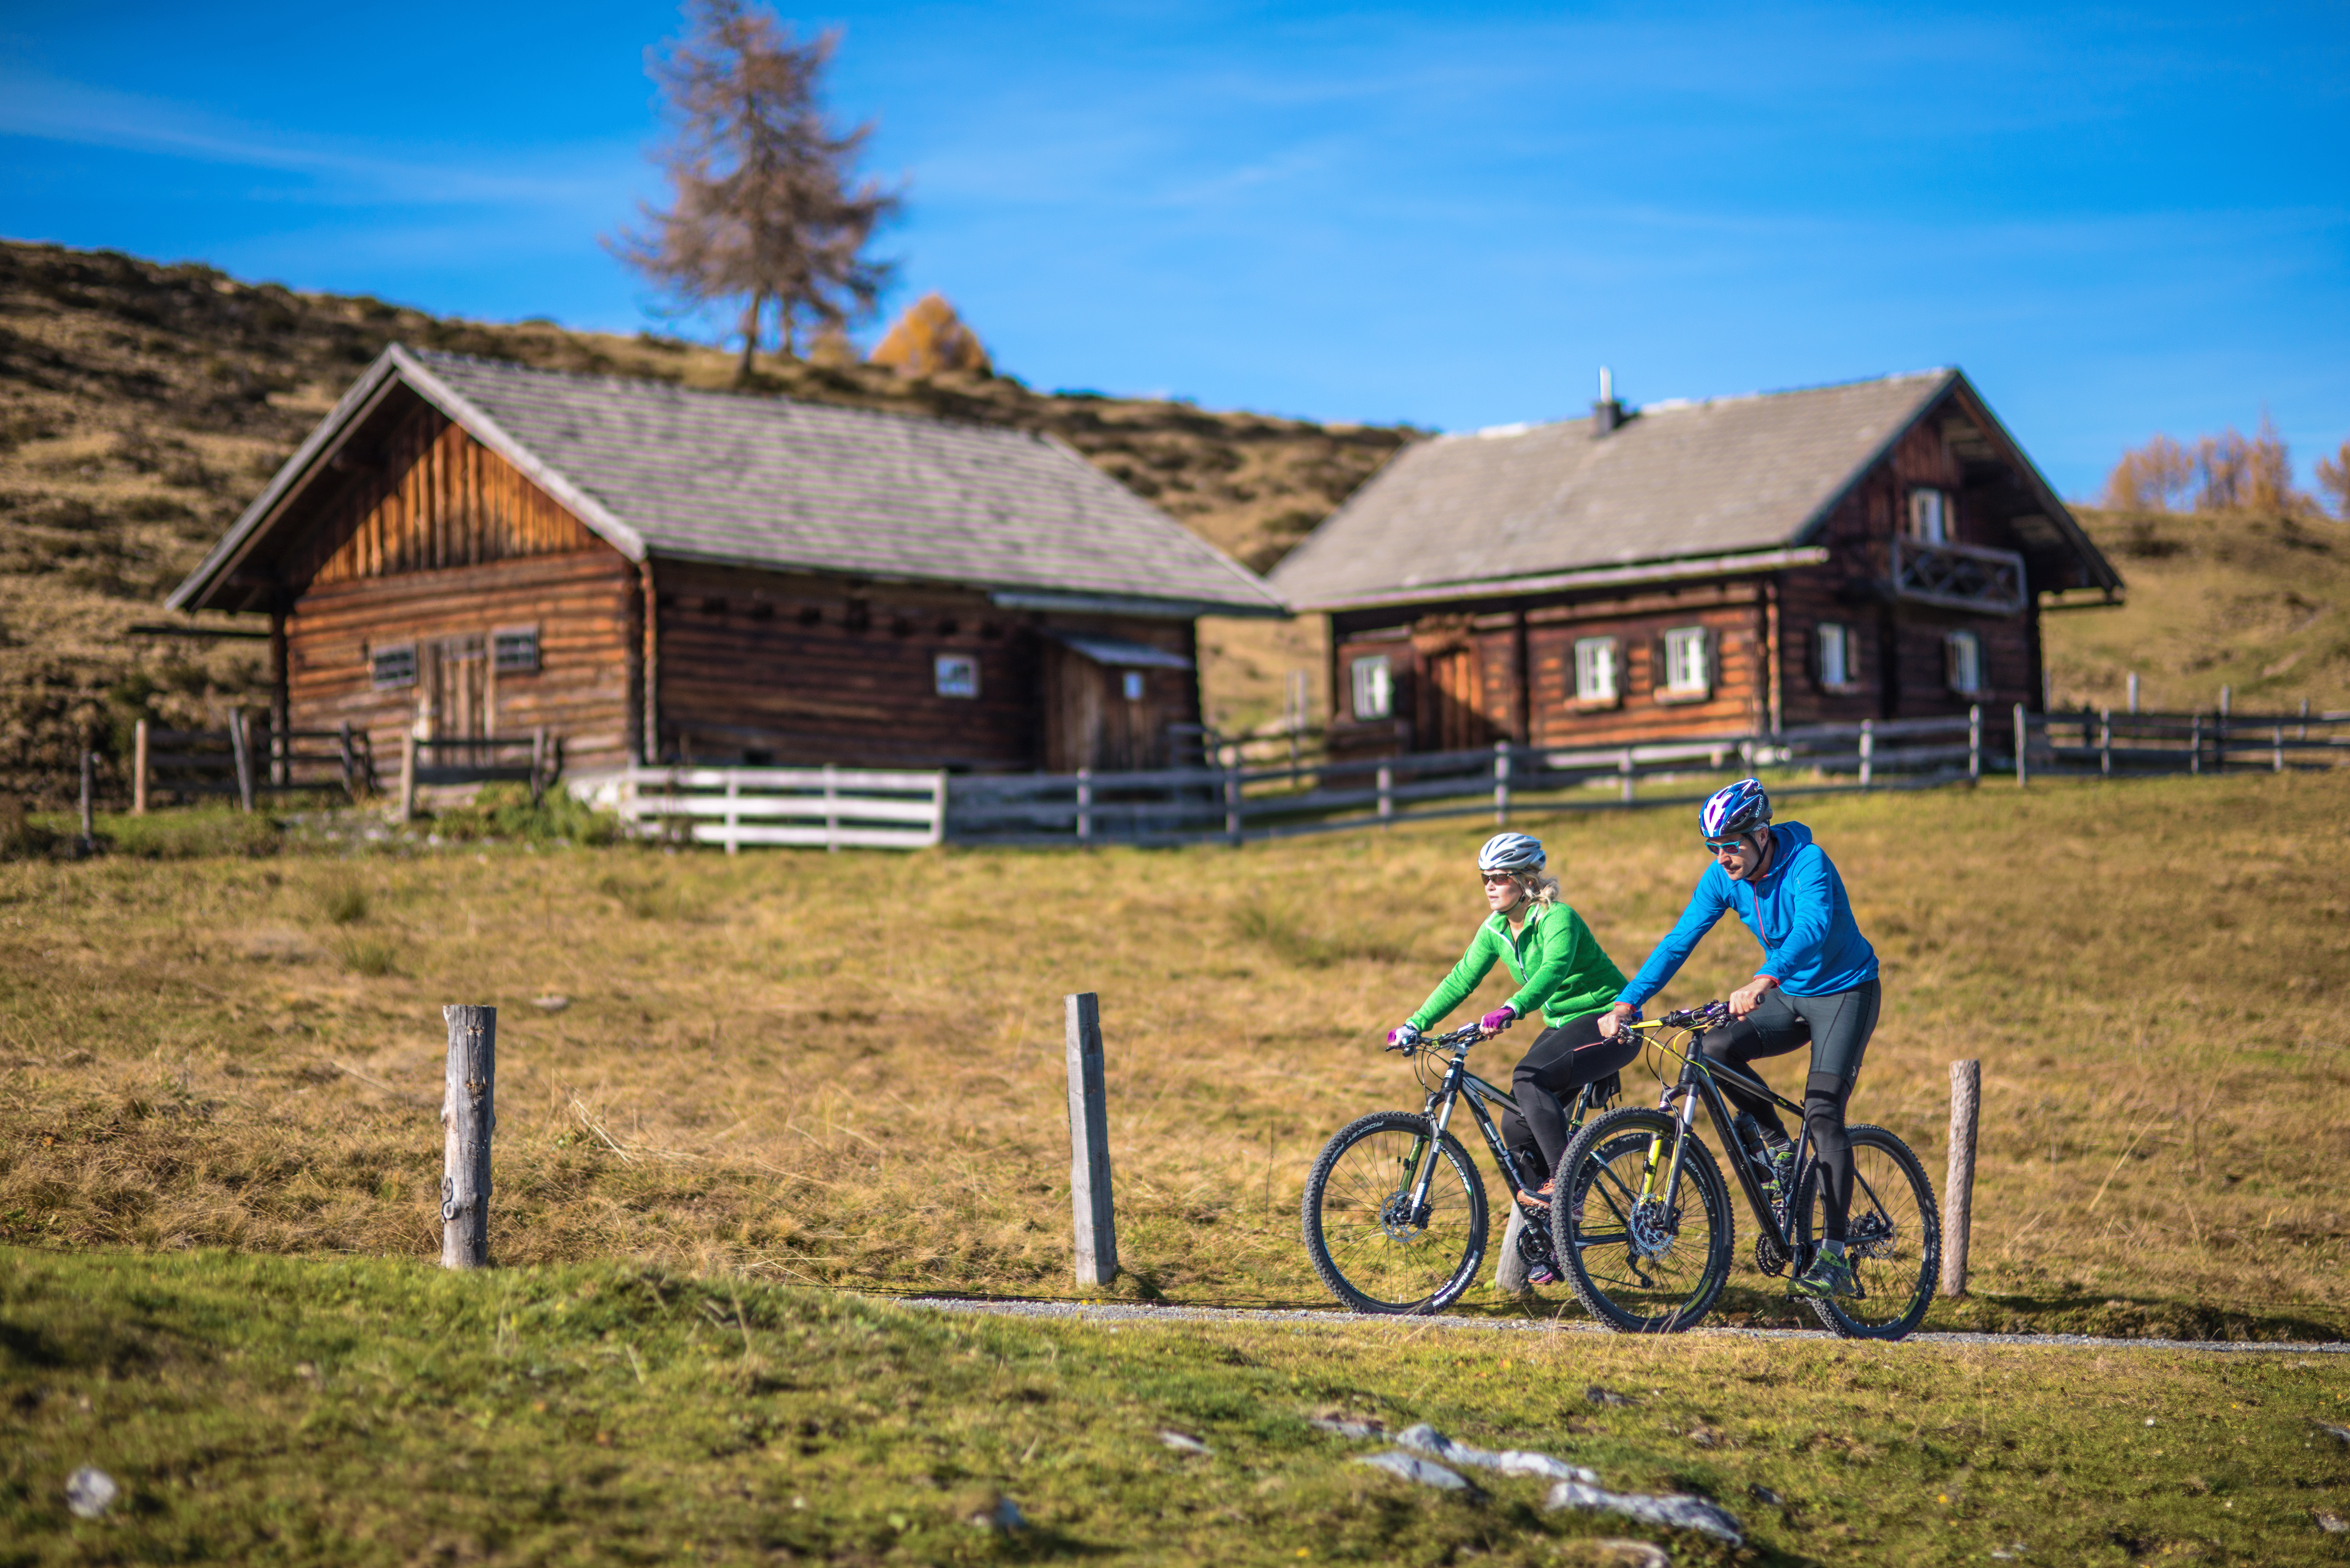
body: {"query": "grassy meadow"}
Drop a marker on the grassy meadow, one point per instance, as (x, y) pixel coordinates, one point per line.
(363, 1411)
(845, 1070)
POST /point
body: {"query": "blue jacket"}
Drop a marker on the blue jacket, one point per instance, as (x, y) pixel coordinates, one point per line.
(1798, 911)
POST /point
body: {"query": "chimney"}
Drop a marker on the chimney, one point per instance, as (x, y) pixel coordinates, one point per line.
(1607, 413)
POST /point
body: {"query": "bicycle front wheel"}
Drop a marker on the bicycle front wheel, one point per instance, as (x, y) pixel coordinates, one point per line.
(1893, 1241)
(1375, 1247)
(1641, 1264)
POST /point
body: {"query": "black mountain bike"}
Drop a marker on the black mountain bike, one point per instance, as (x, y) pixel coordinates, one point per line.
(1395, 1212)
(1643, 1221)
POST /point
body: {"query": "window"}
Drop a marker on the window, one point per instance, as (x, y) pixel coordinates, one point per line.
(516, 649)
(393, 666)
(1686, 673)
(1374, 686)
(957, 675)
(1595, 670)
(1133, 685)
(1963, 656)
(1836, 657)
(1929, 517)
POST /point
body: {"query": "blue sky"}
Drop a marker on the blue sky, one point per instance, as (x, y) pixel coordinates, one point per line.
(2117, 221)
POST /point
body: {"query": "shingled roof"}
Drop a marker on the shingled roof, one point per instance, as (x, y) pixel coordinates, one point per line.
(660, 471)
(1471, 514)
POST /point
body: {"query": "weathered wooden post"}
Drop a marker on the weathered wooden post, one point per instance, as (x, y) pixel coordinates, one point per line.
(1233, 801)
(1089, 1193)
(1624, 766)
(831, 808)
(1085, 805)
(89, 806)
(1975, 743)
(469, 1112)
(240, 745)
(2277, 739)
(2105, 741)
(1387, 794)
(1867, 750)
(2133, 692)
(408, 775)
(538, 765)
(139, 769)
(1959, 1190)
(2022, 747)
(733, 795)
(351, 764)
(2195, 744)
(2220, 733)
(1502, 784)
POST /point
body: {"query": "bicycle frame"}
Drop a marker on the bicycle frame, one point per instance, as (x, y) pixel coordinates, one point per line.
(1458, 1083)
(1697, 1083)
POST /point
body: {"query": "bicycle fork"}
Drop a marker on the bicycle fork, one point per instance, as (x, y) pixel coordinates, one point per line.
(1681, 1148)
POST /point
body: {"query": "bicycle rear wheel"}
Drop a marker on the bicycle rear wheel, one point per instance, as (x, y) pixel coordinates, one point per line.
(1893, 1239)
(1373, 1251)
(1641, 1266)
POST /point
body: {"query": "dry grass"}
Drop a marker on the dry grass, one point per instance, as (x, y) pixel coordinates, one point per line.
(847, 1069)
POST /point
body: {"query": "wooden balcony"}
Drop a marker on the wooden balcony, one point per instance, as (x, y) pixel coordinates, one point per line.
(1959, 576)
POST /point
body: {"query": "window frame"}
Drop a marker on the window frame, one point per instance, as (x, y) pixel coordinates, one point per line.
(1367, 673)
(1666, 689)
(1914, 527)
(502, 636)
(376, 658)
(1585, 650)
(1847, 638)
(947, 672)
(1971, 641)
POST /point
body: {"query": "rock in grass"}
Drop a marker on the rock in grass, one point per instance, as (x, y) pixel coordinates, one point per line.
(1000, 1514)
(1608, 1396)
(1426, 1439)
(91, 1491)
(1349, 1426)
(2339, 1434)
(550, 1003)
(1183, 1442)
(1765, 1496)
(1421, 1472)
(1673, 1512)
(2330, 1521)
(1621, 1553)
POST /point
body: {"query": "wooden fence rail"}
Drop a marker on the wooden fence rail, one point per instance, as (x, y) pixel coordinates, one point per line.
(245, 760)
(833, 808)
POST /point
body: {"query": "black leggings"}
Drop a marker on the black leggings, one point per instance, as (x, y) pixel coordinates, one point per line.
(1560, 1061)
(1836, 1027)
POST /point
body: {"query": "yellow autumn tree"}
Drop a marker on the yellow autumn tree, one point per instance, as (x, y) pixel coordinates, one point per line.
(2150, 478)
(930, 338)
(2334, 479)
(2226, 473)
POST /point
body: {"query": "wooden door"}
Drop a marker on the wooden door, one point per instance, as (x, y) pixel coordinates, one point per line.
(461, 696)
(1454, 722)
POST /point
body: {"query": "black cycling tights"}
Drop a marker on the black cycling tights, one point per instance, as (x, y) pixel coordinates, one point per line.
(1556, 1066)
(1836, 1027)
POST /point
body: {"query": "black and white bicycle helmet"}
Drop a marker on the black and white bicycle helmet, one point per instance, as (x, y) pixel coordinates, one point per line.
(1734, 810)
(1511, 852)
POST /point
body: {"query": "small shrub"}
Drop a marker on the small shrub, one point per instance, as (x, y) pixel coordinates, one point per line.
(371, 956)
(193, 834)
(21, 838)
(343, 901)
(505, 811)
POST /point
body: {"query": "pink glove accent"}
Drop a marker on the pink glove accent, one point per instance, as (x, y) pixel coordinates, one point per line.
(1498, 1018)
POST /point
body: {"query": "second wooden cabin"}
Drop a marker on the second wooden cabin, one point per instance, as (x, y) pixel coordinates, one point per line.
(465, 548)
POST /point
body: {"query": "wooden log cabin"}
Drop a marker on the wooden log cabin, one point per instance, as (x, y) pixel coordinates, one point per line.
(467, 548)
(1877, 550)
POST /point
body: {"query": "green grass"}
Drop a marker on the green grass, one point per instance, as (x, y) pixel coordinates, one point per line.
(268, 1410)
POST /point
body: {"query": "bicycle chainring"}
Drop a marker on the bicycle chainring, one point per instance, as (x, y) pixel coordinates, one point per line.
(1769, 1257)
(1535, 1242)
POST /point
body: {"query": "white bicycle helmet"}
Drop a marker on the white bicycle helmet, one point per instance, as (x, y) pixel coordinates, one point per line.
(1511, 852)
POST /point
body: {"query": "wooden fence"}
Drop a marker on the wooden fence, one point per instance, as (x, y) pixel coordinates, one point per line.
(246, 760)
(833, 808)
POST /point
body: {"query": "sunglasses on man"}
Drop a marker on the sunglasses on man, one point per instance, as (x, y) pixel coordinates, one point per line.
(1717, 846)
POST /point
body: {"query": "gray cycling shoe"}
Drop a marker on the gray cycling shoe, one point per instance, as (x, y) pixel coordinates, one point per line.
(1829, 1275)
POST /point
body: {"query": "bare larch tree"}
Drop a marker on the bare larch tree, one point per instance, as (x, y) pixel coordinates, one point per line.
(768, 207)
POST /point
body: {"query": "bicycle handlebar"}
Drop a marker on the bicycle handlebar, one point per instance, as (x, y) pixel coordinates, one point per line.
(1467, 1034)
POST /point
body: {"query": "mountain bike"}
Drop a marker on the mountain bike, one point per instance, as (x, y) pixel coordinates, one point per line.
(1395, 1212)
(1643, 1221)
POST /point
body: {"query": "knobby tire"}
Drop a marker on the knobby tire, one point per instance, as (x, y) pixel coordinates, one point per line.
(1898, 1270)
(1372, 1257)
(1597, 1187)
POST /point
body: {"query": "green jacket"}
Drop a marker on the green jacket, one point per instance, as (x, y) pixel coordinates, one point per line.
(1558, 964)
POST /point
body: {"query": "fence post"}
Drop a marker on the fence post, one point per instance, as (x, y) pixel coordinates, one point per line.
(2195, 745)
(831, 809)
(1502, 784)
(1233, 802)
(1085, 805)
(1623, 767)
(2219, 735)
(139, 769)
(2105, 741)
(2133, 692)
(2305, 720)
(537, 765)
(1975, 743)
(1387, 794)
(351, 764)
(408, 775)
(1959, 1190)
(1867, 750)
(2277, 741)
(469, 1112)
(733, 794)
(240, 743)
(1090, 1187)
(2022, 747)
(89, 806)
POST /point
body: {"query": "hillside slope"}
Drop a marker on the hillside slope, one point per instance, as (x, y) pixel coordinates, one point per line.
(143, 405)
(2258, 604)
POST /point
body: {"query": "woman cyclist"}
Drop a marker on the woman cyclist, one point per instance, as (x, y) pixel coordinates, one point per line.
(1817, 986)
(1561, 970)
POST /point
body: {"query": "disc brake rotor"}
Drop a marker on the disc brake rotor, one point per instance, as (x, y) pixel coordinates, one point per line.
(1653, 1228)
(1396, 1218)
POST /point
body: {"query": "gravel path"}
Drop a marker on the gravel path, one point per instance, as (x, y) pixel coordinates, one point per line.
(1122, 1313)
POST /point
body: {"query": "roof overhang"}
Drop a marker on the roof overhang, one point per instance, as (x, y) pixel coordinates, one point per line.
(1744, 563)
(1118, 653)
(1142, 608)
(226, 567)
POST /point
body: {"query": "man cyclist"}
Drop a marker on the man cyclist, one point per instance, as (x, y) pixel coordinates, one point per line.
(1562, 971)
(1817, 985)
